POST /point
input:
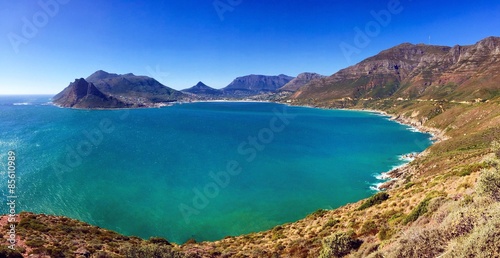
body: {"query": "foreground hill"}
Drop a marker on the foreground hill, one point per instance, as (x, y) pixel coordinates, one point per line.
(407, 71)
(445, 203)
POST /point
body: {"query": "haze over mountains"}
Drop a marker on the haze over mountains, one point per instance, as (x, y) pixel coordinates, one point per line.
(406, 71)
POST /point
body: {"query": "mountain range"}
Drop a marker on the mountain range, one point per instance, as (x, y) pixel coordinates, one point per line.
(408, 71)
(129, 90)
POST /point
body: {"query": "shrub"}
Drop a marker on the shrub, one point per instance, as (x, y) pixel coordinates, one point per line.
(489, 184)
(369, 227)
(156, 251)
(409, 185)
(30, 222)
(339, 244)
(484, 241)
(418, 211)
(318, 213)
(159, 240)
(374, 200)
(37, 242)
(469, 169)
(385, 233)
(427, 243)
(331, 223)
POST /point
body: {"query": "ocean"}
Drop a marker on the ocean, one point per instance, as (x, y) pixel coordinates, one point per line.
(195, 170)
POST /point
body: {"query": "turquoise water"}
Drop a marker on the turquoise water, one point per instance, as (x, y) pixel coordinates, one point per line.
(191, 170)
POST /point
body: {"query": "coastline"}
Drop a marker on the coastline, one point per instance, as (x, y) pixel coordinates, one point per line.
(398, 173)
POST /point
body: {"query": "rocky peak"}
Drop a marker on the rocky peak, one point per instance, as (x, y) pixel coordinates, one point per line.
(301, 80)
(255, 83)
(491, 43)
(201, 85)
(84, 94)
(82, 88)
(101, 75)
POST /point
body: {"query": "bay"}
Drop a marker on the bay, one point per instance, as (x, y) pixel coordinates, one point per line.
(197, 170)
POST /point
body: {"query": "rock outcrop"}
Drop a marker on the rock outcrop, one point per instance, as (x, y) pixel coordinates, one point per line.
(202, 89)
(299, 81)
(255, 84)
(83, 94)
(108, 90)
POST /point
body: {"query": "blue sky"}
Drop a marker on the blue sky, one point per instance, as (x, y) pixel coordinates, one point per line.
(46, 44)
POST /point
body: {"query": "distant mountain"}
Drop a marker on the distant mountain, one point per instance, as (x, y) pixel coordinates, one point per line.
(255, 84)
(108, 90)
(301, 80)
(203, 90)
(411, 71)
(133, 89)
(83, 94)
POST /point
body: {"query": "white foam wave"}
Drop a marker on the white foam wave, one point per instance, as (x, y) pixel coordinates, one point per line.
(22, 104)
(375, 187)
(413, 129)
(382, 176)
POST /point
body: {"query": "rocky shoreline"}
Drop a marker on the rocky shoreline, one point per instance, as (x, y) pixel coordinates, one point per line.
(397, 175)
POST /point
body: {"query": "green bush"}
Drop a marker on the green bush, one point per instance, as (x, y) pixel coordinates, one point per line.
(30, 222)
(331, 223)
(374, 200)
(418, 211)
(409, 185)
(154, 251)
(469, 169)
(318, 213)
(489, 184)
(369, 228)
(37, 242)
(385, 233)
(159, 240)
(339, 244)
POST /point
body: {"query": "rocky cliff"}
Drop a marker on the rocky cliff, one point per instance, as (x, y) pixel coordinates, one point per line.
(129, 88)
(299, 81)
(108, 90)
(255, 84)
(83, 94)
